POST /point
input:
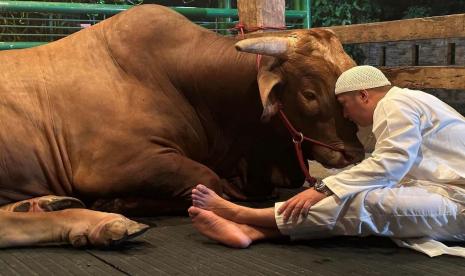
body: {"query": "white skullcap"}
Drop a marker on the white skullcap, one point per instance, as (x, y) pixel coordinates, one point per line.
(359, 78)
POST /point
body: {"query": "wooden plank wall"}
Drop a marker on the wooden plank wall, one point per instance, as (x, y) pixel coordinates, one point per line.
(450, 26)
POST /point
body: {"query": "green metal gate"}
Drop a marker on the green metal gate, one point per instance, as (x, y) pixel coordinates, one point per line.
(30, 23)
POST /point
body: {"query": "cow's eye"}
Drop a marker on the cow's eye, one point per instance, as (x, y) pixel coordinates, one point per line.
(309, 95)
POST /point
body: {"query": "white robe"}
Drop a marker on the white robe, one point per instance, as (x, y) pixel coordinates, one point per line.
(418, 136)
(411, 189)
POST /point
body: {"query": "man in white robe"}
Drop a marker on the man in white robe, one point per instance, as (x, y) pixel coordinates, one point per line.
(411, 189)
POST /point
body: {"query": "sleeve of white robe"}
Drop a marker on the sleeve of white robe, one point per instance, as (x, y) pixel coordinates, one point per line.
(396, 125)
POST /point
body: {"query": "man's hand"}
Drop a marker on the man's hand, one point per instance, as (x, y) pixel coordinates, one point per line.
(300, 204)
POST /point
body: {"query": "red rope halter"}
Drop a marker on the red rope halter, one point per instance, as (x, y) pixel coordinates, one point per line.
(297, 136)
(297, 139)
(240, 27)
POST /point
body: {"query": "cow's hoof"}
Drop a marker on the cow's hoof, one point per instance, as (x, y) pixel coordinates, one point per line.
(22, 206)
(110, 232)
(46, 204)
(56, 203)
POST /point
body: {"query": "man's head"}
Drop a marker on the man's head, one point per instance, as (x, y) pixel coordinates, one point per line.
(359, 90)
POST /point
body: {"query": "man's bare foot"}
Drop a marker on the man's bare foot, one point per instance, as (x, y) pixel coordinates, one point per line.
(218, 229)
(207, 199)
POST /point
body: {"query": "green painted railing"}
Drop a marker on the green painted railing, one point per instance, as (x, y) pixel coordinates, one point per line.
(304, 6)
(80, 8)
(224, 16)
(56, 7)
(19, 45)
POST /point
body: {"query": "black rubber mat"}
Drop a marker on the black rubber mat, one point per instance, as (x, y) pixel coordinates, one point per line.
(180, 250)
(60, 260)
(173, 247)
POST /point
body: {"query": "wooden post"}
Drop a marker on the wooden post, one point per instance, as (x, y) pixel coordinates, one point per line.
(257, 15)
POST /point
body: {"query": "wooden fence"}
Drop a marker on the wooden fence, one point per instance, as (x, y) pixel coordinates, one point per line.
(450, 26)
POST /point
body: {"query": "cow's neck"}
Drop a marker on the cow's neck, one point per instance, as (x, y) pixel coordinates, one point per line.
(219, 81)
(224, 80)
(202, 65)
(221, 84)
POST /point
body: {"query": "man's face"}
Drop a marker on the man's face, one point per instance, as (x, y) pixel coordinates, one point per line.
(356, 107)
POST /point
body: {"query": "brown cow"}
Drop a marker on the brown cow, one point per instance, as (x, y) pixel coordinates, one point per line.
(145, 105)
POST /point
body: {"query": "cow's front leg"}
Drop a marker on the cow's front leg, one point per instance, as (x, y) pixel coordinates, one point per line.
(163, 187)
(79, 227)
(44, 204)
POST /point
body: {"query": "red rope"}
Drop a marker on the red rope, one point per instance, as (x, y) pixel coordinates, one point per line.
(242, 29)
(297, 137)
(259, 59)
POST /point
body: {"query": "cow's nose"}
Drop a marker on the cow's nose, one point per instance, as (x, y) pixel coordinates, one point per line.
(344, 113)
(354, 155)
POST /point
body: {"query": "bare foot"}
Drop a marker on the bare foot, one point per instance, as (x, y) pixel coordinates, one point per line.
(207, 199)
(100, 229)
(218, 229)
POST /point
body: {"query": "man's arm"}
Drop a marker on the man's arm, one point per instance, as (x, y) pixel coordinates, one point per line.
(300, 204)
(397, 129)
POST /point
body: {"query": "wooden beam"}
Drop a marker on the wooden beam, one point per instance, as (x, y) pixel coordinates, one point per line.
(448, 26)
(256, 14)
(419, 77)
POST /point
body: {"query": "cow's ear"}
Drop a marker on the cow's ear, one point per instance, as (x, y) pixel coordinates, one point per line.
(268, 82)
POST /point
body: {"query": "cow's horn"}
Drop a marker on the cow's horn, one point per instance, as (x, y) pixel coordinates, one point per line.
(270, 46)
